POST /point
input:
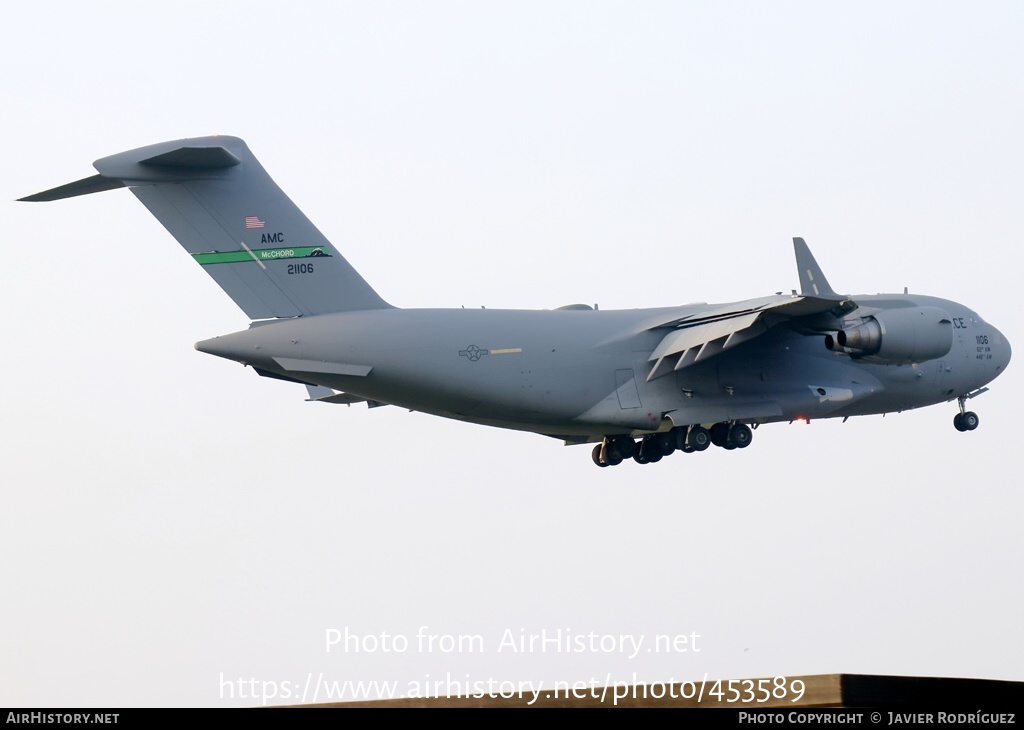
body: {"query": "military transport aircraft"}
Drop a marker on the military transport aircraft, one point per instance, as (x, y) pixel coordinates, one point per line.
(639, 383)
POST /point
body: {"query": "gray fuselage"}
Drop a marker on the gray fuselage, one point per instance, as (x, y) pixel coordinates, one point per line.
(583, 373)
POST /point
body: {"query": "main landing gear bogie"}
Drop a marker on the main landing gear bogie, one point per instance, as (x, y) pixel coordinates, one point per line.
(655, 446)
(613, 450)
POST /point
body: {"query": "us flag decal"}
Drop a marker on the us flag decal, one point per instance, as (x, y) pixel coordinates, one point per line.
(252, 221)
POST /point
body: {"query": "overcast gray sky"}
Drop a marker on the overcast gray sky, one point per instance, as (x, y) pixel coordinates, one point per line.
(169, 520)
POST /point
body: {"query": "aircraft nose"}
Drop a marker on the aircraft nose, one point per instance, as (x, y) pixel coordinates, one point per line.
(1003, 351)
(1007, 350)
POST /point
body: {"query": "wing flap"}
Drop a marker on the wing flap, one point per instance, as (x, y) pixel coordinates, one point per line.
(699, 337)
(680, 340)
(690, 344)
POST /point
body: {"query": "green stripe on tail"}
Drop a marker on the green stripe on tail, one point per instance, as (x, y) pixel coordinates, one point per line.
(259, 254)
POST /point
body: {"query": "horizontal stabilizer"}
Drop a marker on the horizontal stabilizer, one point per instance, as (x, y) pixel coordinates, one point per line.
(94, 184)
(322, 394)
(318, 392)
(208, 158)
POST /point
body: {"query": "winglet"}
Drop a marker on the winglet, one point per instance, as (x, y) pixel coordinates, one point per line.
(812, 281)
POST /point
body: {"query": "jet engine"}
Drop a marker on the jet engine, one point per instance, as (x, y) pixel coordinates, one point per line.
(896, 336)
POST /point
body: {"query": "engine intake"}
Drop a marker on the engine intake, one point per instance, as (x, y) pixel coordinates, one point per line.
(911, 335)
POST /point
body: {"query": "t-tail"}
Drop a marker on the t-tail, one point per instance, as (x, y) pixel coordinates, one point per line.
(216, 199)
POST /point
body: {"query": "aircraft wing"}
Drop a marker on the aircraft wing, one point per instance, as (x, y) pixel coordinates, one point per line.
(702, 335)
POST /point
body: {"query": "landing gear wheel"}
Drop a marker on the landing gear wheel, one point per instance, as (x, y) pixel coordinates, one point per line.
(740, 435)
(965, 420)
(699, 438)
(611, 455)
(625, 446)
(650, 451)
(665, 443)
(596, 456)
(720, 434)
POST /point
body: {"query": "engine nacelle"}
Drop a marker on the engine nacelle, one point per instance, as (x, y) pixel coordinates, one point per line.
(910, 335)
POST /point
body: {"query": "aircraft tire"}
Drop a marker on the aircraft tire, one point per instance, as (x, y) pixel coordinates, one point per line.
(720, 434)
(650, 451)
(698, 438)
(958, 422)
(596, 456)
(969, 421)
(665, 442)
(625, 446)
(740, 435)
(612, 457)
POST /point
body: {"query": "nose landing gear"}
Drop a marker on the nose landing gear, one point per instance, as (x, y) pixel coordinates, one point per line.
(965, 420)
